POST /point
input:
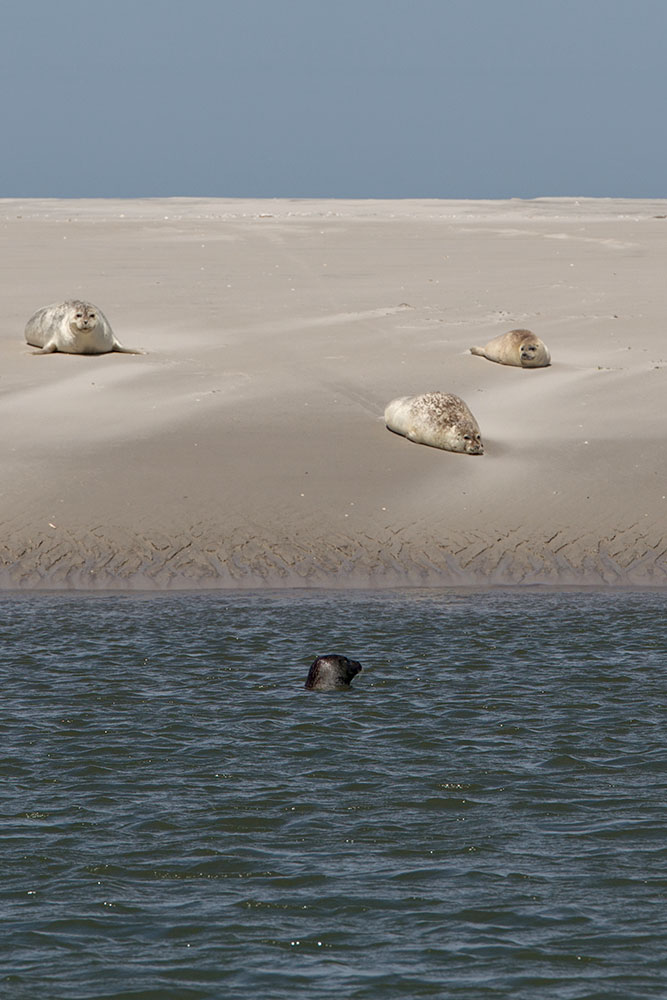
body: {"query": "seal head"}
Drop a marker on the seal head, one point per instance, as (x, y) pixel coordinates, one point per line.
(331, 673)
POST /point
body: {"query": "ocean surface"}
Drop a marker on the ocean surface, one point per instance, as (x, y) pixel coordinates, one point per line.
(481, 816)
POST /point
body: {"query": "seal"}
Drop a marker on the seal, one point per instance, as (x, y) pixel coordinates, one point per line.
(438, 419)
(73, 327)
(331, 673)
(520, 348)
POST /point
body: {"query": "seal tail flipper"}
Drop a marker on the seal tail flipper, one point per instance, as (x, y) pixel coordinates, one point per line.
(479, 351)
(125, 350)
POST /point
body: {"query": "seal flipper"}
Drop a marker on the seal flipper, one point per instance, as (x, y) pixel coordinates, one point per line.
(119, 349)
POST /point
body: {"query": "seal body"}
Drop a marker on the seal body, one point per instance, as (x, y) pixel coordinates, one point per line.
(331, 673)
(520, 348)
(438, 419)
(73, 327)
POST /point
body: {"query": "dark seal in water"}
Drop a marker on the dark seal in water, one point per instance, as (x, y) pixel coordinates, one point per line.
(331, 673)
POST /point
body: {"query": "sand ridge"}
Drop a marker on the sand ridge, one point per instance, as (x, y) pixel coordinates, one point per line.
(247, 447)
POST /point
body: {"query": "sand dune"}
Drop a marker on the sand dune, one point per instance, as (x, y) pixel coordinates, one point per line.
(247, 447)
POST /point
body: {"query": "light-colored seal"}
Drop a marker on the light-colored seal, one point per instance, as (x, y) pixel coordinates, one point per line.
(73, 327)
(520, 348)
(331, 673)
(438, 419)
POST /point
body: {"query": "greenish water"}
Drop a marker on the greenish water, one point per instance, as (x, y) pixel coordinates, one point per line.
(481, 816)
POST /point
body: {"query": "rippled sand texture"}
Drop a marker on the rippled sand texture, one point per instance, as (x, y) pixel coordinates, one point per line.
(248, 447)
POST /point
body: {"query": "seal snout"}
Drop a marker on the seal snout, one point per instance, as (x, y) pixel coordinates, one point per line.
(474, 446)
(332, 673)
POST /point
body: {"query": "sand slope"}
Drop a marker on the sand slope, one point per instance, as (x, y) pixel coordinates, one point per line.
(247, 447)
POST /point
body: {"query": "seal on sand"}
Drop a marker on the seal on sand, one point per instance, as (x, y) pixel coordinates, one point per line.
(520, 348)
(438, 419)
(331, 673)
(73, 327)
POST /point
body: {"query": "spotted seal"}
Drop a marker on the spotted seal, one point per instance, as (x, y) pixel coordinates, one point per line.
(438, 419)
(520, 348)
(331, 673)
(73, 327)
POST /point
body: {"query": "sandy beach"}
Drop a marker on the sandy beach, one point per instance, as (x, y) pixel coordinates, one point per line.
(247, 447)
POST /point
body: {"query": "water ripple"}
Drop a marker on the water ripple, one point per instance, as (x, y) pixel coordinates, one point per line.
(481, 816)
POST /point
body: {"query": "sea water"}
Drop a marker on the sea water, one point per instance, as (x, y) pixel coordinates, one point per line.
(482, 815)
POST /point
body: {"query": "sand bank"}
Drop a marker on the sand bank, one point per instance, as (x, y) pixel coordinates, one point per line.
(247, 447)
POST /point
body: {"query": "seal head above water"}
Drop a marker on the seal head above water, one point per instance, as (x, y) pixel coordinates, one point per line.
(520, 348)
(331, 673)
(73, 327)
(438, 419)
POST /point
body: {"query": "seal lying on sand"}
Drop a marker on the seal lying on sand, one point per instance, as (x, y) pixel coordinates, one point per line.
(438, 419)
(331, 673)
(520, 348)
(73, 327)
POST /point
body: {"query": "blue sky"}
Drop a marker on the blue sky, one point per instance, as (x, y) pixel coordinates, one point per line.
(333, 98)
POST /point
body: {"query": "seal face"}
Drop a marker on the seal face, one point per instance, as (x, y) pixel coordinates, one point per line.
(331, 673)
(73, 327)
(438, 419)
(520, 348)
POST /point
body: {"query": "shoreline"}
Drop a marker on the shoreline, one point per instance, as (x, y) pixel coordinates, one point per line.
(352, 593)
